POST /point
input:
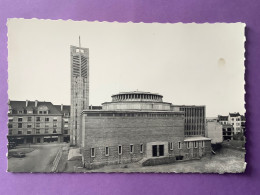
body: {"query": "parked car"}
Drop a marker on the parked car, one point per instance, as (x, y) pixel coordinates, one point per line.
(18, 155)
(11, 145)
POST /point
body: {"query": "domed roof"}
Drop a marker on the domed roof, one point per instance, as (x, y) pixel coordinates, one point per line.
(137, 92)
(137, 96)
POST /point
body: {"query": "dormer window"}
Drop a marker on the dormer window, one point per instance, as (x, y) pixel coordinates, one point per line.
(29, 112)
(43, 109)
(20, 112)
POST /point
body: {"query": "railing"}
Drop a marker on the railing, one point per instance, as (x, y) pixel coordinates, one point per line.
(56, 160)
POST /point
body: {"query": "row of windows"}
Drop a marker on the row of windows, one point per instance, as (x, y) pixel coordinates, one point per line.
(237, 119)
(193, 112)
(199, 132)
(136, 96)
(28, 132)
(30, 112)
(120, 151)
(193, 144)
(131, 115)
(20, 119)
(20, 125)
(171, 145)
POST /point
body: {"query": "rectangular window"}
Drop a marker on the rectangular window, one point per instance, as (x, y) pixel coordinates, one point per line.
(40, 112)
(20, 112)
(29, 125)
(161, 150)
(131, 148)
(54, 131)
(157, 150)
(44, 112)
(46, 125)
(120, 150)
(65, 131)
(46, 119)
(141, 148)
(37, 131)
(38, 118)
(106, 151)
(10, 119)
(29, 118)
(20, 132)
(92, 152)
(46, 131)
(171, 146)
(37, 124)
(29, 132)
(10, 132)
(55, 119)
(20, 125)
(195, 144)
(179, 145)
(154, 149)
(10, 126)
(54, 124)
(20, 119)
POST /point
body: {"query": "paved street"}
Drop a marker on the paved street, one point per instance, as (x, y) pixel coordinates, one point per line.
(39, 160)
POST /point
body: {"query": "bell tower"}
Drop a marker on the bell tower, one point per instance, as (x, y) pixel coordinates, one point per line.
(79, 58)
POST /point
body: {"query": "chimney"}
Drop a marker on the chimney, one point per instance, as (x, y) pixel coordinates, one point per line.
(61, 107)
(26, 104)
(36, 103)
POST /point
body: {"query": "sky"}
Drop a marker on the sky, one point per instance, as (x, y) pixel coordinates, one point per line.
(189, 64)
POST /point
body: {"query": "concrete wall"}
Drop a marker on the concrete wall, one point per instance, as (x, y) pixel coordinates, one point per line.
(214, 131)
(79, 90)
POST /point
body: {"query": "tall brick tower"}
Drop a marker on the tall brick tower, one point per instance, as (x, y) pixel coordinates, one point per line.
(79, 90)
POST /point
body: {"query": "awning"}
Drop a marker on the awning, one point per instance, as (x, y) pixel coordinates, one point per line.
(191, 139)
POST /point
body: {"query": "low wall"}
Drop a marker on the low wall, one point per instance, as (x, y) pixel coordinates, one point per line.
(159, 161)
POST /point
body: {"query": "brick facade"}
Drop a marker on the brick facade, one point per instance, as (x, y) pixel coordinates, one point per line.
(113, 129)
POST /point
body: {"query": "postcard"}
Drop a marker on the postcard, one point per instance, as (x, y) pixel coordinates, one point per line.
(125, 97)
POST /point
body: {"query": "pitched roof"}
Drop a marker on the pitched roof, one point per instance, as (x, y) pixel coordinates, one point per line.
(21, 106)
(222, 118)
(234, 114)
(65, 108)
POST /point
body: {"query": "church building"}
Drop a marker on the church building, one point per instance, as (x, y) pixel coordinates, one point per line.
(134, 126)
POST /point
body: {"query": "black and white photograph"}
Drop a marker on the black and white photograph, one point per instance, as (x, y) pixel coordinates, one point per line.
(125, 97)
